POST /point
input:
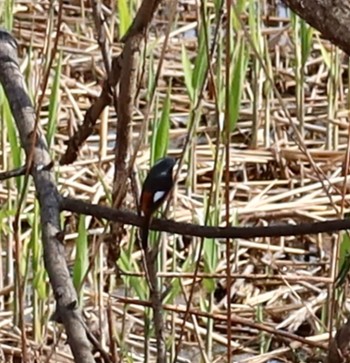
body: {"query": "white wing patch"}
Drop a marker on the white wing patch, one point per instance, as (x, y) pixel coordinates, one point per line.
(158, 195)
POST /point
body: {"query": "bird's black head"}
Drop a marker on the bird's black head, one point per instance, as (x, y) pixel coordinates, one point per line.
(163, 166)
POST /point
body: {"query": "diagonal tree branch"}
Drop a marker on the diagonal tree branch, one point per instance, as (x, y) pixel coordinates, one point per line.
(49, 199)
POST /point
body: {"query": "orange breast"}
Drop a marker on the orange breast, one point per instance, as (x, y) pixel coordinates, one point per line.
(146, 203)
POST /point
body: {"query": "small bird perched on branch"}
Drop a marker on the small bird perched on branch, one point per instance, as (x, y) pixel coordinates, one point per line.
(155, 190)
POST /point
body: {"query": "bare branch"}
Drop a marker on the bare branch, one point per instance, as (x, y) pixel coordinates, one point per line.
(52, 235)
(101, 34)
(13, 173)
(188, 229)
(127, 90)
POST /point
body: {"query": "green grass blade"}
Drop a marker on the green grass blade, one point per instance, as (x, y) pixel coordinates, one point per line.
(6, 212)
(326, 55)
(128, 264)
(200, 64)
(211, 249)
(11, 132)
(306, 32)
(124, 17)
(240, 6)
(6, 14)
(237, 82)
(81, 259)
(162, 131)
(54, 102)
(218, 6)
(255, 25)
(150, 78)
(39, 275)
(344, 259)
(187, 66)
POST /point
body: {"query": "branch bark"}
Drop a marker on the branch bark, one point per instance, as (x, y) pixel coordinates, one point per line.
(187, 229)
(330, 17)
(49, 199)
(127, 90)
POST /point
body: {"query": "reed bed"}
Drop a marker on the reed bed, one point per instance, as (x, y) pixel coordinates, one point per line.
(285, 81)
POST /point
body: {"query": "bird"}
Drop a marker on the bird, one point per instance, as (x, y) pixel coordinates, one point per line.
(155, 190)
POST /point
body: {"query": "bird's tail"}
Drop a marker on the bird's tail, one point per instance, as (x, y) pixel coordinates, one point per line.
(144, 231)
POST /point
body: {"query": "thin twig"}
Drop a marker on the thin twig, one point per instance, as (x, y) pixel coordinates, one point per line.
(13, 173)
(235, 319)
(156, 302)
(236, 275)
(228, 100)
(101, 35)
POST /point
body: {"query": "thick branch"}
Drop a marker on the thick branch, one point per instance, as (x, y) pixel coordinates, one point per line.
(127, 90)
(55, 263)
(188, 229)
(330, 17)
